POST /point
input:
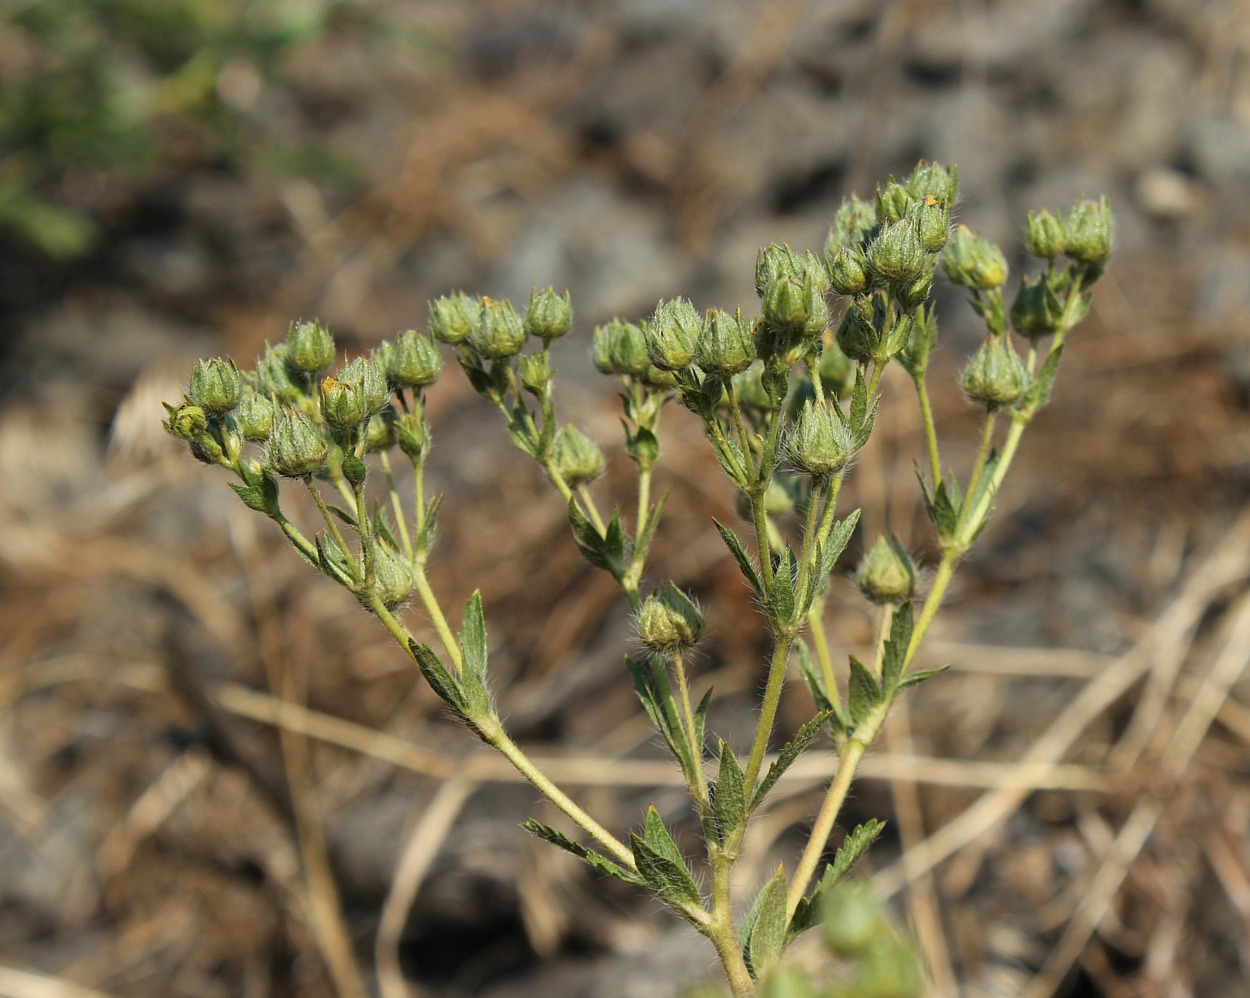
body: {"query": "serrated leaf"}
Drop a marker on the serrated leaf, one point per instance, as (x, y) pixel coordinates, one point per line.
(861, 431)
(789, 752)
(859, 399)
(731, 803)
(562, 841)
(1038, 394)
(768, 934)
(660, 709)
(657, 836)
(894, 654)
(425, 539)
(670, 880)
(700, 725)
(863, 694)
(251, 496)
(441, 681)
(839, 537)
(615, 549)
(745, 564)
(918, 677)
(781, 592)
(587, 538)
(853, 847)
(473, 636)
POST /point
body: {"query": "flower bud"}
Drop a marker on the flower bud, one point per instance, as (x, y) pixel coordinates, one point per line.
(366, 374)
(621, 348)
(848, 271)
(393, 580)
(893, 200)
(820, 442)
(254, 416)
(749, 389)
(857, 335)
(788, 303)
(725, 343)
(897, 255)
(548, 315)
(933, 221)
(216, 386)
(411, 361)
(296, 447)
(774, 262)
(342, 404)
(853, 919)
(836, 369)
(669, 621)
(380, 432)
(853, 226)
(309, 347)
(273, 376)
(889, 969)
(576, 457)
(672, 334)
(934, 180)
(186, 421)
(1037, 310)
(917, 292)
(887, 574)
(1047, 236)
(535, 372)
(453, 318)
(499, 332)
(1089, 231)
(412, 433)
(996, 376)
(972, 261)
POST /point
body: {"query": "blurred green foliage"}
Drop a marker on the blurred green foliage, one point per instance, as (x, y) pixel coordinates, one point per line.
(101, 98)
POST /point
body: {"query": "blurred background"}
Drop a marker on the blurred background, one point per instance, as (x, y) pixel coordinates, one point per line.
(219, 777)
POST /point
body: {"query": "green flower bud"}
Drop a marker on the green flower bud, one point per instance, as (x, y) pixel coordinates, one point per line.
(657, 378)
(857, 335)
(411, 361)
(972, 261)
(788, 303)
(535, 372)
(216, 386)
(887, 575)
(621, 348)
(917, 292)
(548, 315)
(772, 263)
(933, 221)
(273, 376)
(186, 421)
(576, 457)
(725, 344)
(779, 497)
(848, 271)
(889, 969)
(669, 621)
(254, 416)
(309, 347)
(454, 317)
(897, 255)
(296, 447)
(672, 334)
(893, 200)
(934, 180)
(996, 376)
(380, 432)
(370, 381)
(393, 579)
(853, 919)
(854, 224)
(1047, 236)
(836, 369)
(499, 332)
(412, 433)
(1037, 310)
(749, 389)
(820, 442)
(1089, 231)
(342, 404)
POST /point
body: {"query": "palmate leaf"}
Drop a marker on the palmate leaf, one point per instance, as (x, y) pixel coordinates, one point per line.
(562, 841)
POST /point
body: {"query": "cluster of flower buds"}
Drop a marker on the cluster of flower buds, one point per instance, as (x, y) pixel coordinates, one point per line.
(492, 329)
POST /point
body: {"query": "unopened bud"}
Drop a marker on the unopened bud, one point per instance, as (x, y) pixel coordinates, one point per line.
(669, 620)
(621, 348)
(254, 416)
(848, 271)
(186, 421)
(499, 332)
(972, 261)
(296, 447)
(820, 442)
(273, 376)
(309, 347)
(380, 432)
(1089, 231)
(853, 919)
(1037, 310)
(412, 433)
(454, 317)
(367, 375)
(577, 458)
(1047, 236)
(725, 344)
(897, 255)
(996, 376)
(934, 180)
(411, 361)
(393, 579)
(342, 404)
(853, 226)
(672, 334)
(887, 575)
(216, 386)
(549, 315)
(893, 200)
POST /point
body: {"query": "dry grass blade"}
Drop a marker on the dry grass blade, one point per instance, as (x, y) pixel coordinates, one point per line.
(23, 984)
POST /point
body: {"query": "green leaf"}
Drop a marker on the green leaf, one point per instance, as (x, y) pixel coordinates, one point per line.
(615, 549)
(473, 636)
(863, 693)
(789, 752)
(345, 515)
(780, 598)
(669, 878)
(562, 841)
(657, 836)
(731, 795)
(642, 543)
(251, 496)
(1038, 394)
(700, 724)
(839, 537)
(918, 677)
(853, 847)
(768, 934)
(895, 651)
(441, 681)
(745, 564)
(660, 708)
(587, 538)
